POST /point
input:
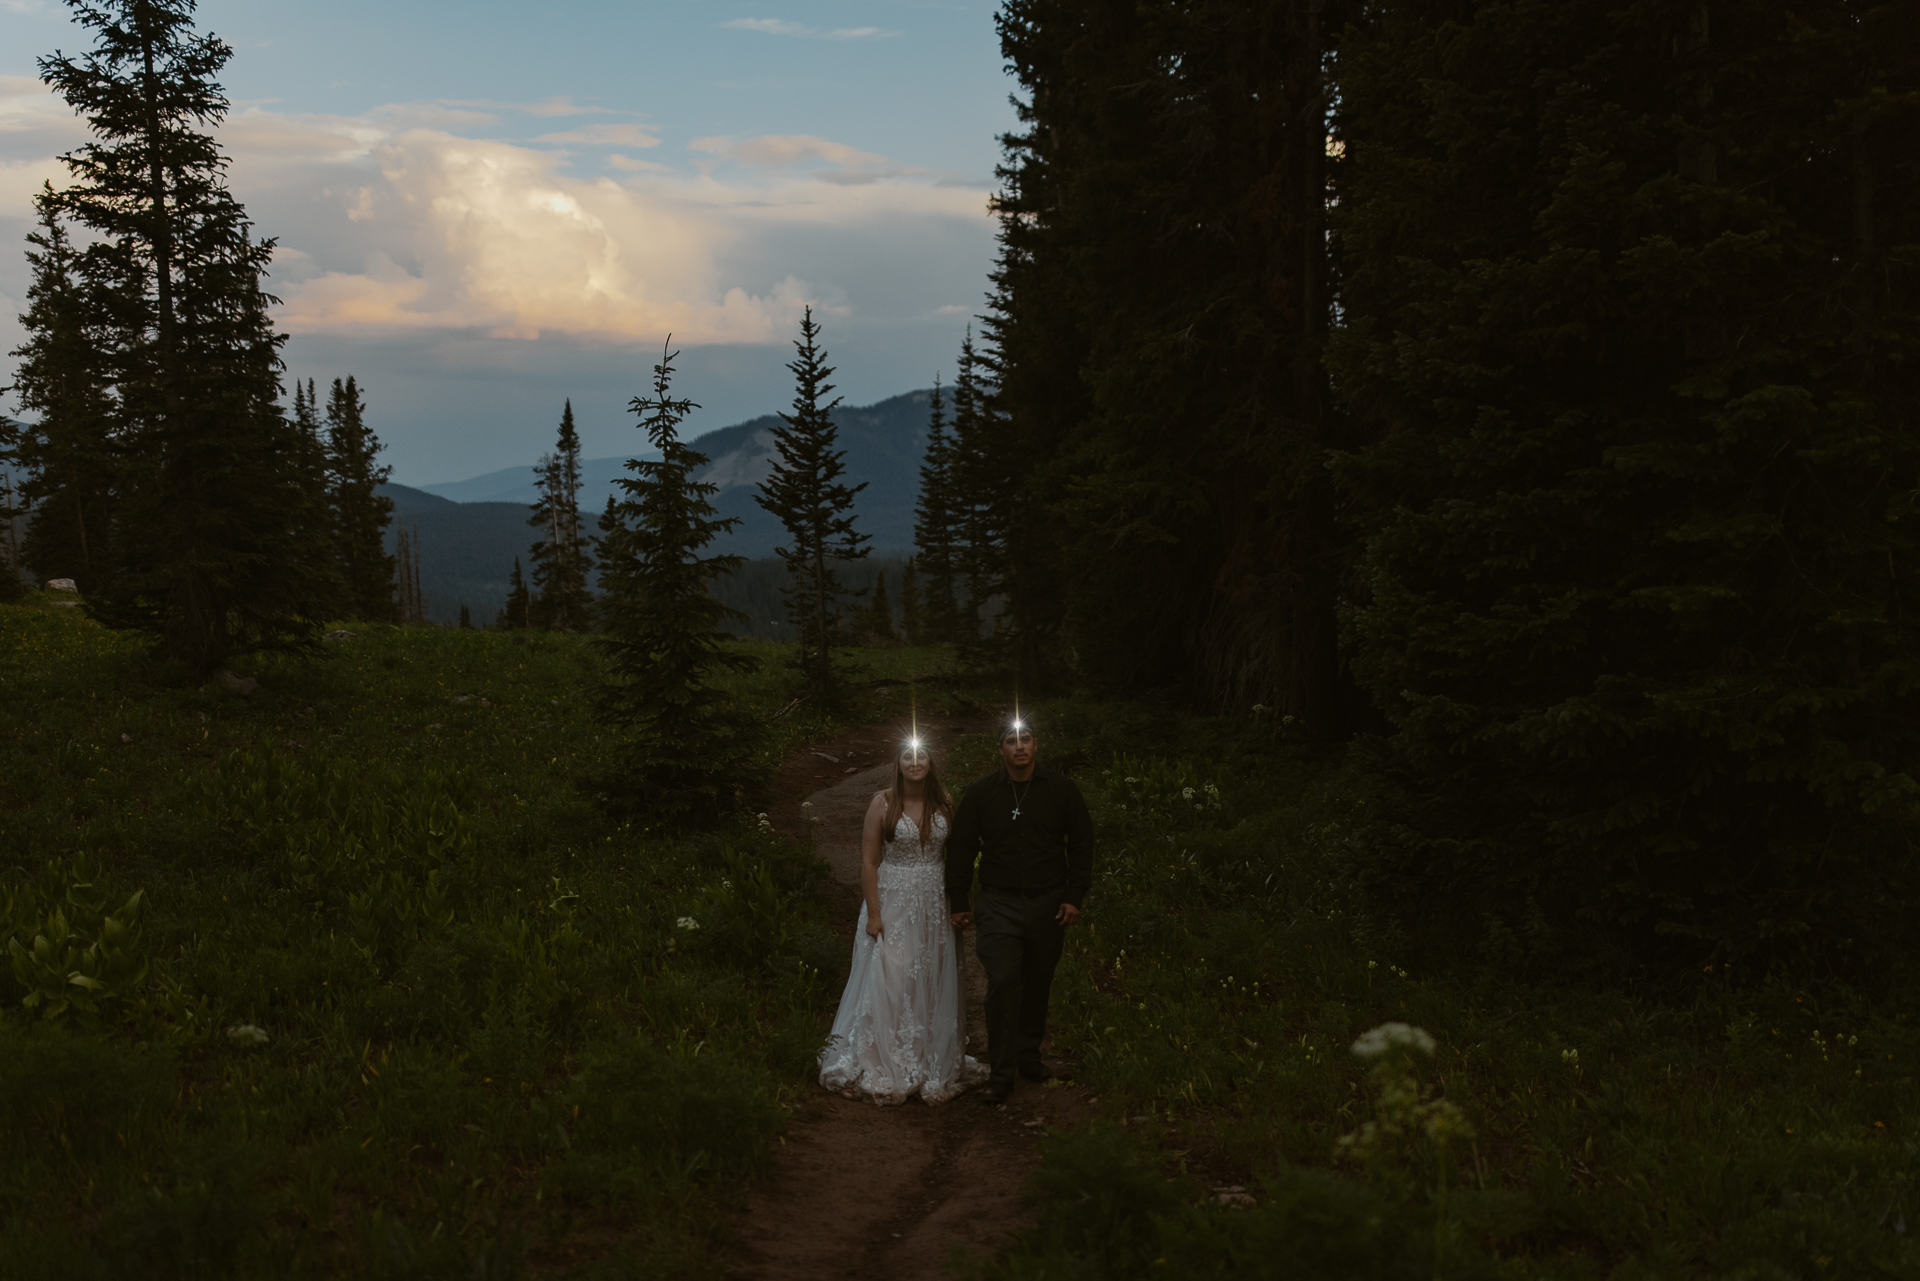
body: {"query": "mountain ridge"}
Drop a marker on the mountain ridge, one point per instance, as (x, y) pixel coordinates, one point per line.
(467, 546)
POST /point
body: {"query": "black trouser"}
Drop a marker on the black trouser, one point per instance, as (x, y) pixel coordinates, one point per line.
(1018, 942)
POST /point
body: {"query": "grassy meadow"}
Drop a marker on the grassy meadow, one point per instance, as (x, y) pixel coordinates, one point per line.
(372, 987)
(1734, 1125)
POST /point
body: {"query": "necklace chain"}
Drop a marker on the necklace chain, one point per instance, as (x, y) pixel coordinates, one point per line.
(1018, 795)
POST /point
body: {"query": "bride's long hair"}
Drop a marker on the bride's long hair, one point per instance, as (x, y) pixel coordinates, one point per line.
(937, 801)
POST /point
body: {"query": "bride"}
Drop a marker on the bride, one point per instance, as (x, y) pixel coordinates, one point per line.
(899, 1031)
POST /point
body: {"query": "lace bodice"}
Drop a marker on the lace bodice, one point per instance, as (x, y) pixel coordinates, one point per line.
(905, 847)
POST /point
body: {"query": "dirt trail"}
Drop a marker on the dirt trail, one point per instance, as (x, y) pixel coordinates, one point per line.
(865, 1191)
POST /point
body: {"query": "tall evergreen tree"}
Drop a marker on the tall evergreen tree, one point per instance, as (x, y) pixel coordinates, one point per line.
(515, 614)
(935, 537)
(912, 628)
(1632, 313)
(1160, 309)
(311, 460)
(879, 625)
(690, 750)
(805, 491)
(68, 453)
(561, 561)
(217, 546)
(980, 483)
(11, 585)
(361, 513)
(406, 556)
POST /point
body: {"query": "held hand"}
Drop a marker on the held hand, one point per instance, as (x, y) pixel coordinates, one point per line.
(1067, 914)
(873, 927)
(961, 920)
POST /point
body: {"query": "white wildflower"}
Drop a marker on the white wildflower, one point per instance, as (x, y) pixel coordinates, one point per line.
(1392, 1036)
(687, 923)
(247, 1034)
(1570, 1057)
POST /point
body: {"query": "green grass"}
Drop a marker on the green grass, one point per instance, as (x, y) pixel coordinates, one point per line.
(489, 1047)
(1731, 1125)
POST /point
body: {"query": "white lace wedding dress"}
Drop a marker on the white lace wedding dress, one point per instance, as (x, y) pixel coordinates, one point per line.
(899, 1031)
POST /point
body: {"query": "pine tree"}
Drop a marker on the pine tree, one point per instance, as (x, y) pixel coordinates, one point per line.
(514, 615)
(690, 750)
(1636, 356)
(981, 484)
(560, 559)
(406, 585)
(68, 452)
(218, 545)
(11, 586)
(805, 491)
(311, 460)
(911, 629)
(466, 618)
(1172, 519)
(934, 533)
(879, 625)
(361, 513)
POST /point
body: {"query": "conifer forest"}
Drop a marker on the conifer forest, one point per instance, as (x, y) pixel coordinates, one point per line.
(1442, 479)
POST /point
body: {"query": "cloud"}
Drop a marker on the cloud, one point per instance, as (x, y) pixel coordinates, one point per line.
(774, 150)
(498, 237)
(605, 136)
(628, 163)
(398, 221)
(781, 27)
(563, 107)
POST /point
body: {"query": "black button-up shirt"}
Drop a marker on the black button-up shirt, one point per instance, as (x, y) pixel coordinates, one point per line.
(1047, 849)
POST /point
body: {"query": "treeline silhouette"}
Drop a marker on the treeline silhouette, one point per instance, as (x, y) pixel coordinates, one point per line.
(1531, 386)
(162, 471)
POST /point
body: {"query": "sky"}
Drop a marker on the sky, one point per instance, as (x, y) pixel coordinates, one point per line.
(484, 208)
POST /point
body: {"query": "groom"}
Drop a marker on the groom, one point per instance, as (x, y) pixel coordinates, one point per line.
(1030, 827)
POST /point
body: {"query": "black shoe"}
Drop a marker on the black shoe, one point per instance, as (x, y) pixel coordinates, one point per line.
(1041, 1072)
(996, 1090)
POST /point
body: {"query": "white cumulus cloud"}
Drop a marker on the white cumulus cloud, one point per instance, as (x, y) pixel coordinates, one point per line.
(610, 135)
(781, 27)
(414, 218)
(776, 149)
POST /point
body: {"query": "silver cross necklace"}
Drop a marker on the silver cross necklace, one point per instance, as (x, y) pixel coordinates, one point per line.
(1018, 796)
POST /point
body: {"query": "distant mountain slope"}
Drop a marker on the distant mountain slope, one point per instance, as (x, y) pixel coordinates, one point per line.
(466, 550)
(471, 530)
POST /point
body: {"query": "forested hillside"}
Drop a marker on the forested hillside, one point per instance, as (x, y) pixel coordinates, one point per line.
(471, 531)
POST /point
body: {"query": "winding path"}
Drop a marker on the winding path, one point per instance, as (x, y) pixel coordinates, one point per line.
(871, 1192)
